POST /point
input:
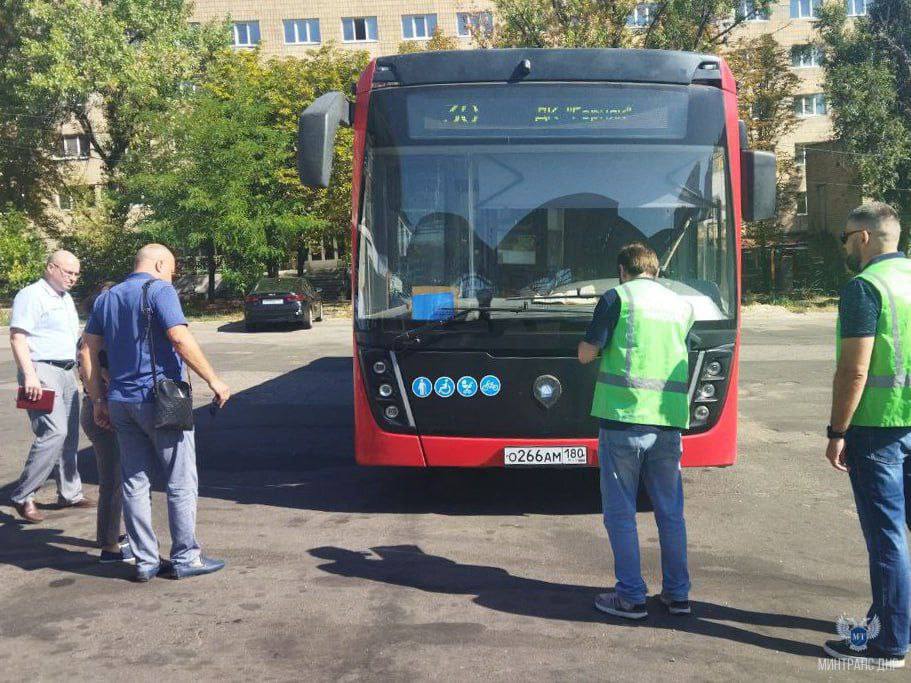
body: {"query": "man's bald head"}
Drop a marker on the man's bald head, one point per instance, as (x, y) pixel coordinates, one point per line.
(156, 260)
(873, 229)
(62, 270)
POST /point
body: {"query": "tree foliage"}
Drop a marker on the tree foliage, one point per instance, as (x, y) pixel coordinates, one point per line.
(868, 84)
(697, 25)
(765, 90)
(438, 41)
(218, 175)
(22, 251)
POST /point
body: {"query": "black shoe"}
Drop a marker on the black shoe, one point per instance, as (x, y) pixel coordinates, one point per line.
(202, 565)
(870, 657)
(611, 603)
(675, 607)
(125, 555)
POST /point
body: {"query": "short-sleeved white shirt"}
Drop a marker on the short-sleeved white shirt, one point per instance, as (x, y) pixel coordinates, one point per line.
(49, 319)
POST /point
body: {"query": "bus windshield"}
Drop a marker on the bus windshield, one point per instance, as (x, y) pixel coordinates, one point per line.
(524, 210)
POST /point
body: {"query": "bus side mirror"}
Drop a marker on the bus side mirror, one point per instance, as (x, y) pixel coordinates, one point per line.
(757, 185)
(316, 130)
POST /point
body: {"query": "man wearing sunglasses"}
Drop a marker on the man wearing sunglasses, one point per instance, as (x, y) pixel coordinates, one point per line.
(870, 429)
(44, 328)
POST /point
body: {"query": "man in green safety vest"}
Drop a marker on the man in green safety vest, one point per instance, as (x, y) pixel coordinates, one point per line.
(641, 399)
(870, 428)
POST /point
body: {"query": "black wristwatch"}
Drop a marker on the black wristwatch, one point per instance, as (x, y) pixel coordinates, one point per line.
(832, 434)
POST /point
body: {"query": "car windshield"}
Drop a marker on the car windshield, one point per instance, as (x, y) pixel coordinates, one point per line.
(278, 285)
(533, 218)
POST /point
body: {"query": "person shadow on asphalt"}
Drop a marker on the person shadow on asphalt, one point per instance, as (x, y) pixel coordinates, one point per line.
(497, 589)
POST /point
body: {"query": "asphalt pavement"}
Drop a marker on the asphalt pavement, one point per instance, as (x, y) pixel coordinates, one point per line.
(337, 572)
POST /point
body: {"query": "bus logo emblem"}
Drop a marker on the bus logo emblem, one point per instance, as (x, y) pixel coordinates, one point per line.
(548, 390)
(490, 385)
(421, 387)
(444, 387)
(468, 386)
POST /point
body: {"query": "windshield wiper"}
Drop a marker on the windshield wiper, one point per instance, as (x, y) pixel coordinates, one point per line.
(545, 298)
(413, 335)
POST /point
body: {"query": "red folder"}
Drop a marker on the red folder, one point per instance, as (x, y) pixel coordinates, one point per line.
(45, 404)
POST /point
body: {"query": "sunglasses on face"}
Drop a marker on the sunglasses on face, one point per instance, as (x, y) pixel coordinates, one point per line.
(846, 234)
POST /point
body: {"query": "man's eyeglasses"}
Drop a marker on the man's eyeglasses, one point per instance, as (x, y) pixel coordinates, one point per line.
(72, 273)
(845, 234)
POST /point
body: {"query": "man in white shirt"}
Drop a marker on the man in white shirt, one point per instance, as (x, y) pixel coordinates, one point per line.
(44, 330)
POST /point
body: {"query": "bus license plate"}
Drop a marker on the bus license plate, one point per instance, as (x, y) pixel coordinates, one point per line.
(545, 455)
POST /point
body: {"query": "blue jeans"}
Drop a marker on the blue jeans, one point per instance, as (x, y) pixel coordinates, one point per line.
(625, 455)
(142, 447)
(880, 468)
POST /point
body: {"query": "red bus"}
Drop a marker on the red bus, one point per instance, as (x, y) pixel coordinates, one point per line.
(492, 190)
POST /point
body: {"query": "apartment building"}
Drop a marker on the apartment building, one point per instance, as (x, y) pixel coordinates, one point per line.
(288, 28)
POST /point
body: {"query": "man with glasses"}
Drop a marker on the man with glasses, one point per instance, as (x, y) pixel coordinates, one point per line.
(44, 329)
(870, 429)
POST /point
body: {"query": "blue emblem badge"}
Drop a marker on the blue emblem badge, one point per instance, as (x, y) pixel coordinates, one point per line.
(444, 387)
(490, 385)
(421, 387)
(468, 386)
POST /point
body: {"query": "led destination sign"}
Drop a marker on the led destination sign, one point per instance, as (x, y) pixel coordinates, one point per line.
(536, 110)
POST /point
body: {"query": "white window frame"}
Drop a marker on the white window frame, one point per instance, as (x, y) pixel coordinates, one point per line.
(427, 19)
(297, 24)
(473, 19)
(800, 155)
(641, 16)
(367, 38)
(814, 4)
(746, 9)
(851, 6)
(69, 197)
(83, 146)
(235, 32)
(811, 50)
(814, 109)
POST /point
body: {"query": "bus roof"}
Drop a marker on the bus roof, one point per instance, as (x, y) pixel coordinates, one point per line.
(602, 64)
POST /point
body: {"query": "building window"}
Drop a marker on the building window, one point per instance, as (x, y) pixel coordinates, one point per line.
(418, 26)
(246, 33)
(801, 203)
(641, 15)
(800, 156)
(747, 11)
(466, 22)
(810, 105)
(65, 201)
(75, 147)
(359, 29)
(805, 56)
(804, 9)
(856, 8)
(301, 31)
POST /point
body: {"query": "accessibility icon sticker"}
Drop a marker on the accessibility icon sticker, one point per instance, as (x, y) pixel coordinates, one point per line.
(444, 387)
(421, 387)
(468, 386)
(490, 385)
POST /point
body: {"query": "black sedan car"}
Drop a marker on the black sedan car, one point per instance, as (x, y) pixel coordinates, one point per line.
(283, 300)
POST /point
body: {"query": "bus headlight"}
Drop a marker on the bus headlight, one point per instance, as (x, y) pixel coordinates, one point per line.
(707, 391)
(379, 367)
(713, 369)
(701, 413)
(391, 412)
(385, 390)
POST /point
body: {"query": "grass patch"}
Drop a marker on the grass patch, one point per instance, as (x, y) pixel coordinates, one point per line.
(794, 302)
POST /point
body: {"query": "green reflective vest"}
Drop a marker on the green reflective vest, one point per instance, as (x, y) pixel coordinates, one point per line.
(886, 401)
(644, 371)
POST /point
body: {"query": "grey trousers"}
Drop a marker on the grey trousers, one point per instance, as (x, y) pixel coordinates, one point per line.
(142, 447)
(110, 480)
(56, 439)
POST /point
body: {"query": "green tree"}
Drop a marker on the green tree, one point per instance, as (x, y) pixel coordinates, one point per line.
(112, 65)
(438, 41)
(867, 66)
(698, 25)
(218, 175)
(22, 251)
(765, 90)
